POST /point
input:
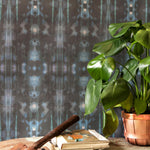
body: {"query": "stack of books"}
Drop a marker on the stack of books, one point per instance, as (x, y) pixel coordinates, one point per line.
(80, 140)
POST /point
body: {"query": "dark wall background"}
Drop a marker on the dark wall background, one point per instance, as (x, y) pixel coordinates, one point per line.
(45, 46)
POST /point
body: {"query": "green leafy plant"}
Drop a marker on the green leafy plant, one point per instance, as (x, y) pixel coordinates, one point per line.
(114, 84)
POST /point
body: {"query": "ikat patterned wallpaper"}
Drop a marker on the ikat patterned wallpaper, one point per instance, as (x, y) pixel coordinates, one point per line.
(45, 46)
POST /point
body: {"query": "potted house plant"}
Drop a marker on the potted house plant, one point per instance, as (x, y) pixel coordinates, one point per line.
(126, 85)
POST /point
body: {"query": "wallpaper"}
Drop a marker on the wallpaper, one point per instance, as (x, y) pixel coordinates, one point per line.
(45, 46)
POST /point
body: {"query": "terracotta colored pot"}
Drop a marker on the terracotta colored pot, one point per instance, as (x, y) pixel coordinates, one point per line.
(136, 128)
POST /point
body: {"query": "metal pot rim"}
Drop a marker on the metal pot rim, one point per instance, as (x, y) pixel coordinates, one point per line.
(133, 116)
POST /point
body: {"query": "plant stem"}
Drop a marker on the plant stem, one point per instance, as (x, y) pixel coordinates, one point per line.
(138, 59)
(145, 82)
(135, 83)
(130, 52)
(141, 85)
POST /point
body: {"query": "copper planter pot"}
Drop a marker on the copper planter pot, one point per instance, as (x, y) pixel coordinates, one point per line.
(136, 128)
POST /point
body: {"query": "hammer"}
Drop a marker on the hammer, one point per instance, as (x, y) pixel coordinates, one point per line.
(55, 132)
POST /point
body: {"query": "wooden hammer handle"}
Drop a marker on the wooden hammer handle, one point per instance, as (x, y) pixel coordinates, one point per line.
(55, 132)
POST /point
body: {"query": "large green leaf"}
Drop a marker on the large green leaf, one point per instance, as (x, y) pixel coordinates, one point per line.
(146, 25)
(128, 103)
(138, 49)
(143, 37)
(110, 47)
(110, 122)
(115, 93)
(140, 106)
(147, 77)
(144, 63)
(119, 29)
(129, 71)
(92, 95)
(148, 95)
(101, 68)
(107, 68)
(143, 66)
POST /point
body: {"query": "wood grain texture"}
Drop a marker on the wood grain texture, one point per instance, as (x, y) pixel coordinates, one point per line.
(8, 144)
(122, 144)
(115, 144)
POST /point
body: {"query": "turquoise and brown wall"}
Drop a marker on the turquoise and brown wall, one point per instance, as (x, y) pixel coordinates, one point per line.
(45, 46)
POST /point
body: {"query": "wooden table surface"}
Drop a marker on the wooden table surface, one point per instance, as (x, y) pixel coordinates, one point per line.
(121, 144)
(8, 144)
(115, 144)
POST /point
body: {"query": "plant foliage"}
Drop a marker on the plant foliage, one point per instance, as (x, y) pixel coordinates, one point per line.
(120, 85)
